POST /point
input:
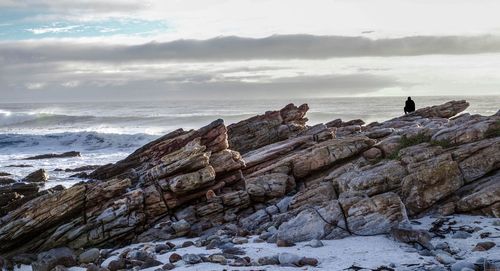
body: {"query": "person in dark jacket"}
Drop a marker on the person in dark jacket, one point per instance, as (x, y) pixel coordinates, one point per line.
(409, 106)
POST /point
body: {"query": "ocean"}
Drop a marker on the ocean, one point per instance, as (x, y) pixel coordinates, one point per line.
(105, 132)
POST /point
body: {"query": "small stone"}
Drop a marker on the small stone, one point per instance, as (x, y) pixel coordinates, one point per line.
(239, 262)
(258, 240)
(191, 258)
(59, 268)
(170, 244)
(484, 246)
(288, 259)
(240, 240)
(150, 263)
(217, 258)
(233, 251)
(174, 257)
(461, 235)
(461, 265)
(168, 266)
(116, 265)
(54, 257)
(315, 243)
(284, 243)
(187, 244)
(308, 261)
(445, 259)
(89, 256)
(161, 247)
(269, 260)
(496, 223)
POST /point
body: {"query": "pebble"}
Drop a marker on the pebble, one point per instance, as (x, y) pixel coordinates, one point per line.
(174, 258)
(240, 240)
(217, 258)
(187, 244)
(269, 260)
(150, 263)
(445, 259)
(461, 235)
(459, 266)
(233, 251)
(288, 259)
(89, 256)
(116, 265)
(191, 258)
(315, 243)
(484, 246)
(284, 243)
(308, 261)
(161, 248)
(168, 266)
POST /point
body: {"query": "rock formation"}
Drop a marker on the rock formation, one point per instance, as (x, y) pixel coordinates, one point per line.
(273, 171)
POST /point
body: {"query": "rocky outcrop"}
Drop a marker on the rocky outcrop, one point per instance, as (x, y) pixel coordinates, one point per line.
(266, 129)
(271, 175)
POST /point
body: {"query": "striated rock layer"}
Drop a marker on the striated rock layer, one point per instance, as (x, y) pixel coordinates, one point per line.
(272, 171)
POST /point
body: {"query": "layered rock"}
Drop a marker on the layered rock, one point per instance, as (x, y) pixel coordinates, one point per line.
(266, 129)
(325, 181)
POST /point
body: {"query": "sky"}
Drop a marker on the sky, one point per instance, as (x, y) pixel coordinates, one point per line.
(124, 50)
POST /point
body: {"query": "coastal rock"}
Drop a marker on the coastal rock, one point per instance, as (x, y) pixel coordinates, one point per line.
(372, 180)
(266, 129)
(54, 155)
(293, 183)
(38, 176)
(430, 181)
(374, 215)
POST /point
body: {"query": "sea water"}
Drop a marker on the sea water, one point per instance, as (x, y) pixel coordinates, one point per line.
(105, 132)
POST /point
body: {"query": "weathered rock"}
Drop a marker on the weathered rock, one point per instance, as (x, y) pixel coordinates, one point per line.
(372, 180)
(374, 215)
(481, 196)
(38, 176)
(312, 223)
(269, 185)
(266, 129)
(430, 181)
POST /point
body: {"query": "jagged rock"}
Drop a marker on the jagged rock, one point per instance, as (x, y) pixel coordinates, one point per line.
(481, 196)
(446, 110)
(477, 159)
(430, 181)
(474, 129)
(374, 215)
(314, 223)
(326, 153)
(38, 176)
(372, 180)
(3, 174)
(266, 129)
(269, 185)
(293, 183)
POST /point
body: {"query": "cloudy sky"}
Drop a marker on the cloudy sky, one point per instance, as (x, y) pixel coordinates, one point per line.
(66, 50)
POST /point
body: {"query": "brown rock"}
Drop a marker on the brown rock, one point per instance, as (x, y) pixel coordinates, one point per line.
(174, 257)
(38, 176)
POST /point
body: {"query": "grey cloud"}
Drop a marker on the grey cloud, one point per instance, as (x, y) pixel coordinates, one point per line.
(196, 86)
(238, 48)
